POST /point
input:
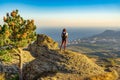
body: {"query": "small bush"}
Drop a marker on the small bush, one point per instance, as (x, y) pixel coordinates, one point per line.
(2, 52)
(15, 77)
(6, 57)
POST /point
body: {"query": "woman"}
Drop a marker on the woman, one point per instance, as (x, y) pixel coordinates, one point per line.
(64, 37)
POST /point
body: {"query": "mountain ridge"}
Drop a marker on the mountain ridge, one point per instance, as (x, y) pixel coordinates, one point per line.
(109, 33)
(108, 37)
(53, 64)
(106, 34)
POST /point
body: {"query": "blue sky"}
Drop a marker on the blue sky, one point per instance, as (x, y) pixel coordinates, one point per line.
(79, 13)
(56, 3)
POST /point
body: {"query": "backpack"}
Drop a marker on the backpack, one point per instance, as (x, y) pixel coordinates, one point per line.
(64, 35)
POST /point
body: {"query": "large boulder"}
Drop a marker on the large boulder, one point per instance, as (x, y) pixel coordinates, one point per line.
(43, 44)
(46, 41)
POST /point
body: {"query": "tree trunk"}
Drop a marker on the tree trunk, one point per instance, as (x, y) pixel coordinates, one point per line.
(20, 67)
(19, 54)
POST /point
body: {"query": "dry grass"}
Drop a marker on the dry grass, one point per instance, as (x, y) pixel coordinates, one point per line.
(2, 76)
(105, 76)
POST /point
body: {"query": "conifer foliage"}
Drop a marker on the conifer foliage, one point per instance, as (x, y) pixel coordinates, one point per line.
(16, 30)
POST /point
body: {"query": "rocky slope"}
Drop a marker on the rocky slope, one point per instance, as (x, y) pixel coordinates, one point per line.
(53, 64)
(9, 70)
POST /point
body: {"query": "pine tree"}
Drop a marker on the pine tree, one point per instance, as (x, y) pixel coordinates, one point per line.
(16, 30)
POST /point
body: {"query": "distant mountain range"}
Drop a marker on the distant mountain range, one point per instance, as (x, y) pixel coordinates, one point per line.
(108, 36)
(112, 34)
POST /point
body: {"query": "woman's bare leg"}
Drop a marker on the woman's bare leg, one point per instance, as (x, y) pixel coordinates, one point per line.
(64, 45)
(61, 45)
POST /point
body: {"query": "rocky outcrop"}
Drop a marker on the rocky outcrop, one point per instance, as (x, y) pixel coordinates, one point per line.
(46, 41)
(42, 45)
(53, 64)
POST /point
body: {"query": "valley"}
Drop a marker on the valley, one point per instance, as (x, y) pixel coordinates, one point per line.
(102, 48)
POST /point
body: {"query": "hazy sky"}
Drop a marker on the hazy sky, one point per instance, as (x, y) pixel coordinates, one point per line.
(66, 13)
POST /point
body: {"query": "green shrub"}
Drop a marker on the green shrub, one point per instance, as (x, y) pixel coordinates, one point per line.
(6, 57)
(2, 52)
(15, 77)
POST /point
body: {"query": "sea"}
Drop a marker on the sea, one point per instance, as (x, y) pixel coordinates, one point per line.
(74, 33)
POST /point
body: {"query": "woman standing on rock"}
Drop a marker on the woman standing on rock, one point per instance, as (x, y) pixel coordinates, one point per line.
(64, 37)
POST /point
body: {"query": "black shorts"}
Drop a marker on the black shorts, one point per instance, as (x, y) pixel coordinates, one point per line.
(63, 39)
